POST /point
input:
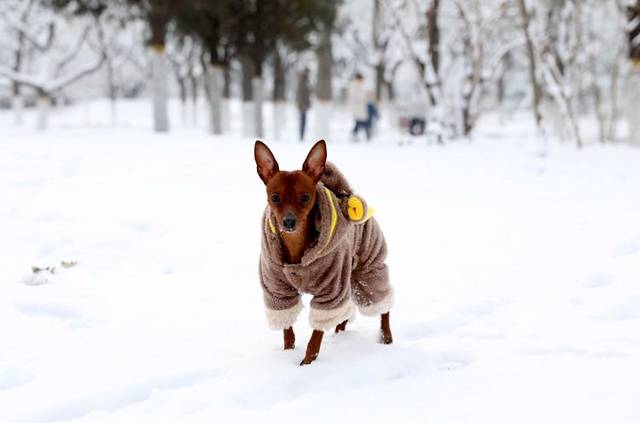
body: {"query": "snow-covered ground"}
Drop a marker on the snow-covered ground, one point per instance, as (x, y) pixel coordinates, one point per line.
(517, 280)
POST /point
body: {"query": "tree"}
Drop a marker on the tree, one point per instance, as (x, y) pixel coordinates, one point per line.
(18, 12)
(57, 47)
(525, 22)
(212, 22)
(158, 14)
(183, 54)
(263, 26)
(633, 16)
(116, 39)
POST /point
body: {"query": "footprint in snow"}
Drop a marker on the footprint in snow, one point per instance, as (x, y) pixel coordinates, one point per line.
(137, 226)
(626, 248)
(71, 316)
(449, 323)
(12, 377)
(598, 280)
(629, 309)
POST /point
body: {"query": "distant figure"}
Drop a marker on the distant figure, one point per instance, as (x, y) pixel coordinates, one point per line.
(303, 100)
(357, 103)
(372, 111)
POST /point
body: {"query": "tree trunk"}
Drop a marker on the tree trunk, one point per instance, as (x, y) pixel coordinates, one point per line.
(227, 81)
(247, 97)
(159, 89)
(159, 72)
(112, 91)
(633, 14)
(533, 74)
(279, 81)
(17, 103)
(634, 105)
(380, 47)
(507, 65)
(380, 82)
(390, 92)
(324, 91)
(612, 130)
(597, 99)
(226, 97)
(182, 89)
(433, 30)
(258, 93)
(247, 76)
(44, 108)
(431, 74)
(215, 74)
(193, 84)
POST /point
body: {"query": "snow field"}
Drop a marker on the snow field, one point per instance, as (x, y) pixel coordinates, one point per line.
(516, 278)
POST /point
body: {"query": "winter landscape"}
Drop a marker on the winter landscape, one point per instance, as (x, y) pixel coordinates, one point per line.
(131, 210)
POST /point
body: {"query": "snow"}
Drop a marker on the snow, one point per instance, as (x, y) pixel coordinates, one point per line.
(516, 278)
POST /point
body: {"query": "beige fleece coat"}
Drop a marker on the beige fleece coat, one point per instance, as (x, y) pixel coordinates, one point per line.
(345, 264)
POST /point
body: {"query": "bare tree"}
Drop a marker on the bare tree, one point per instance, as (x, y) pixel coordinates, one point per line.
(525, 23)
(115, 33)
(18, 14)
(57, 58)
(324, 88)
(183, 54)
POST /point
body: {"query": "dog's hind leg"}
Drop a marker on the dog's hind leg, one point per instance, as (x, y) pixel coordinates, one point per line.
(385, 329)
(341, 327)
(289, 338)
(313, 347)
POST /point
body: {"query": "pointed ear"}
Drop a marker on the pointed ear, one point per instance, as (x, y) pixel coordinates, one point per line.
(315, 162)
(267, 164)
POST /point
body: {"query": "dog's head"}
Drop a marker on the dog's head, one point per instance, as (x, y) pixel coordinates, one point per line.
(291, 195)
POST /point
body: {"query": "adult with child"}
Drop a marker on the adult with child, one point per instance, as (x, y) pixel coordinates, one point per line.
(357, 105)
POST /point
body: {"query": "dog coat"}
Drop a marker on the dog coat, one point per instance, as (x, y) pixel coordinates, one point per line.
(344, 266)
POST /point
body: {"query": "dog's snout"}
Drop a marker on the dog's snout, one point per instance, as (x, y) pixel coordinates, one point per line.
(289, 222)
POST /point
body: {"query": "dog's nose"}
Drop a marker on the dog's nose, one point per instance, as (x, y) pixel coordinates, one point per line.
(289, 222)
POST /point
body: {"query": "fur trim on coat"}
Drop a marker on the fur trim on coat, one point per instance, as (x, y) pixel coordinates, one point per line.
(282, 319)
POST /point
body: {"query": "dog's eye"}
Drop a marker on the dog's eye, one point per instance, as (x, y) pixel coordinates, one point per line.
(305, 198)
(275, 198)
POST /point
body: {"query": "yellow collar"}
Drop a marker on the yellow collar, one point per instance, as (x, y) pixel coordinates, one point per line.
(334, 218)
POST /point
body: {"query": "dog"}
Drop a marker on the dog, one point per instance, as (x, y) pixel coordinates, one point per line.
(319, 238)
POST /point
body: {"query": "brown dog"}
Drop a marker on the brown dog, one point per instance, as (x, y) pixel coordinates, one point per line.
(319, 238)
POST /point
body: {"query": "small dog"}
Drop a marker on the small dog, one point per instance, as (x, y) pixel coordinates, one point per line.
(319, 238)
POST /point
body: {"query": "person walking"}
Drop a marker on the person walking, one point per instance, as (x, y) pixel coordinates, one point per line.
(357, 104)
(372, 113)
(303, 100)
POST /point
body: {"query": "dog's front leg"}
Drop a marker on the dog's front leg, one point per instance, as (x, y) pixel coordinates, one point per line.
(313, 347)
(289, 338)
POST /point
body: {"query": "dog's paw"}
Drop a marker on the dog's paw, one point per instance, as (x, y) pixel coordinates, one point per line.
(386, 338)
(308, 359)
(341, 327)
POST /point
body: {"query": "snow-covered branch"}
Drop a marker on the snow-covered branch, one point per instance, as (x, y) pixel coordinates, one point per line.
(50, 87)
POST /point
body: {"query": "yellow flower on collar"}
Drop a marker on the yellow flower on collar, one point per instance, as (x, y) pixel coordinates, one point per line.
(355, 208)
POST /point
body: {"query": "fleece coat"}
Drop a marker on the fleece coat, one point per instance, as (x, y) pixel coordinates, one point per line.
(345, 265)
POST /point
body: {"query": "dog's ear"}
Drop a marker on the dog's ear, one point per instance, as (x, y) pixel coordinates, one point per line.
(315, 162)
(267, 164)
